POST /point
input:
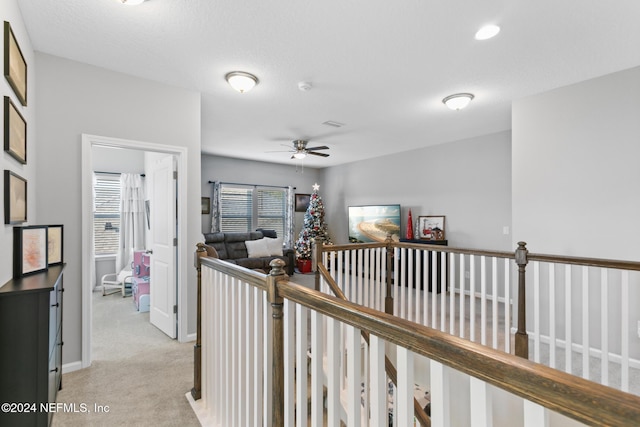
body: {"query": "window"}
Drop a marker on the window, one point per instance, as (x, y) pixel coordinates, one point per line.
(246, 208)
(106, 216)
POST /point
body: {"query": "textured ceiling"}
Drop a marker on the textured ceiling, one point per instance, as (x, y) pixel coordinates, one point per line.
(380, 67)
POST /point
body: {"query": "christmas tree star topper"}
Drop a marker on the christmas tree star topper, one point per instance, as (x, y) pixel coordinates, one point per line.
(316, 187)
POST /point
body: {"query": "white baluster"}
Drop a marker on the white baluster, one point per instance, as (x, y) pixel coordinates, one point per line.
(472, 298)
(483, 300)
(434, 287)
(317, 373)
(333, 372)
(536, 311)
(507, 306)
(289, 362)
(535, 415)
(418, 280)
(552, 315)
(403, 408)
(624, 331)
(443, 290)
(568, 316)
(353, 376)
(494, 305)
(604, 325)
(378, 383)
(463, 287)
(301, 365)
(481, 408)
(585, 323)
(403, 284)
(440, 407)
(452, 294)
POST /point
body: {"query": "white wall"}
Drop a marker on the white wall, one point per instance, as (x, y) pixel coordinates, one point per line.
(76, 98)
(9, 12)
(575, 168)
(468, 181)
(216, 168)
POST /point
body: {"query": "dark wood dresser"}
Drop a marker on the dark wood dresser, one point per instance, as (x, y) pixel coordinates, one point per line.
(30, 347)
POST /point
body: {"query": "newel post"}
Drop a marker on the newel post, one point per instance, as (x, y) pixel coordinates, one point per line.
(197, 348)
(522, 339)
(276, 275)
(388, 299)
(316, 259)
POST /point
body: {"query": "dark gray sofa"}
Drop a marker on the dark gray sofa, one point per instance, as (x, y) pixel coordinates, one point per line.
(230, 247)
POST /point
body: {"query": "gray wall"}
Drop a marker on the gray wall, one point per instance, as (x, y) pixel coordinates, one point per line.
(216, 168)
(575, 168)
(9, 12)
(75, 98)
(468, 181)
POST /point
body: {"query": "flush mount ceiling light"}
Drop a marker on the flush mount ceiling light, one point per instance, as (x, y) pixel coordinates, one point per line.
(487, 32)
(457, 101)
(241, 81)
(132, 2)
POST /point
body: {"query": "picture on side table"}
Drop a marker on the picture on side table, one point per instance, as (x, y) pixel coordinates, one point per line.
(29, 249)
(55, 235)
(431, 227)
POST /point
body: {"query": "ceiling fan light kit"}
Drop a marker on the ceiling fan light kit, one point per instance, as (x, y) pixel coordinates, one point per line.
(458, 101)
(241, 81)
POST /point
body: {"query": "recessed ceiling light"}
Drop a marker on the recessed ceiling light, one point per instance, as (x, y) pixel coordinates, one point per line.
(458, 101)
(487, 32)
(241, 81)
(132, 2)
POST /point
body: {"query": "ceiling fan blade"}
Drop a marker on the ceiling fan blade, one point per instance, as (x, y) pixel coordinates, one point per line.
(280, 151)
(317, 154)
(323, 147)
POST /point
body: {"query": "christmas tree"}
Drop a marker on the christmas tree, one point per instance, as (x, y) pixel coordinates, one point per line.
(314, 226)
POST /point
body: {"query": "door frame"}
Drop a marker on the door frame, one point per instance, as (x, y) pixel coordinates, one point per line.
(180, 153)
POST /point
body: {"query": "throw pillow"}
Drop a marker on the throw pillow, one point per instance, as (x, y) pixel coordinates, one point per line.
(274, 245)
(257, 248)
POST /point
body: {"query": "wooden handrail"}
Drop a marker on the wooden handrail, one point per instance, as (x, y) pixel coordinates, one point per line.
(251, 277)
(590, 262)
(585, 401)
(392, 373)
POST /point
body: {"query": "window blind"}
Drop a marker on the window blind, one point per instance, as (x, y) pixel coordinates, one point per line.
(106, 219)
(246, 208)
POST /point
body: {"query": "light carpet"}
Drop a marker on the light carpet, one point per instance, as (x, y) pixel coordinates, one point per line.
(139, 373)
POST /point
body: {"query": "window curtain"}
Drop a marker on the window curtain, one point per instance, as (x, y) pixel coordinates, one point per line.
(132, 220)
(92, 257)
(215, 208)
(289, 219)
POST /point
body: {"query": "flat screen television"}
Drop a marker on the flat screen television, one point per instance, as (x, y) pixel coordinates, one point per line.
(372, 223)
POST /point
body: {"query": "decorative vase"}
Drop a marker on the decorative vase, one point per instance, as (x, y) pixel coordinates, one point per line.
(409, 234)
(304, 266)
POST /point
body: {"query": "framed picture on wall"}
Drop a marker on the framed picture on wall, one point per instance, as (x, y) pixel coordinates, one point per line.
(29, 250)
(15, 132)
(302, 202)
(206, 205)
(55, 244)
(15, 67)
(15, 198)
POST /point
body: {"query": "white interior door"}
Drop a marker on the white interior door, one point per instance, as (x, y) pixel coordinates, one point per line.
(162, 279)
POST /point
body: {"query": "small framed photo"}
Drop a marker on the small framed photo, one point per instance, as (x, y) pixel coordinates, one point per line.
(15, 67)
(206, 205)
(431, 227)
(302, 202)
(15, 132)
(55, 244)
(29, 250)
(15, 198)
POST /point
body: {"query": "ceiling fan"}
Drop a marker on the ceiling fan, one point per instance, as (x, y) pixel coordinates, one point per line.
(300, 150)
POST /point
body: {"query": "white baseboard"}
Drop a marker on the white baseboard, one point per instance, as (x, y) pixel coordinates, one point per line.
(70, 367)
(201, 411)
